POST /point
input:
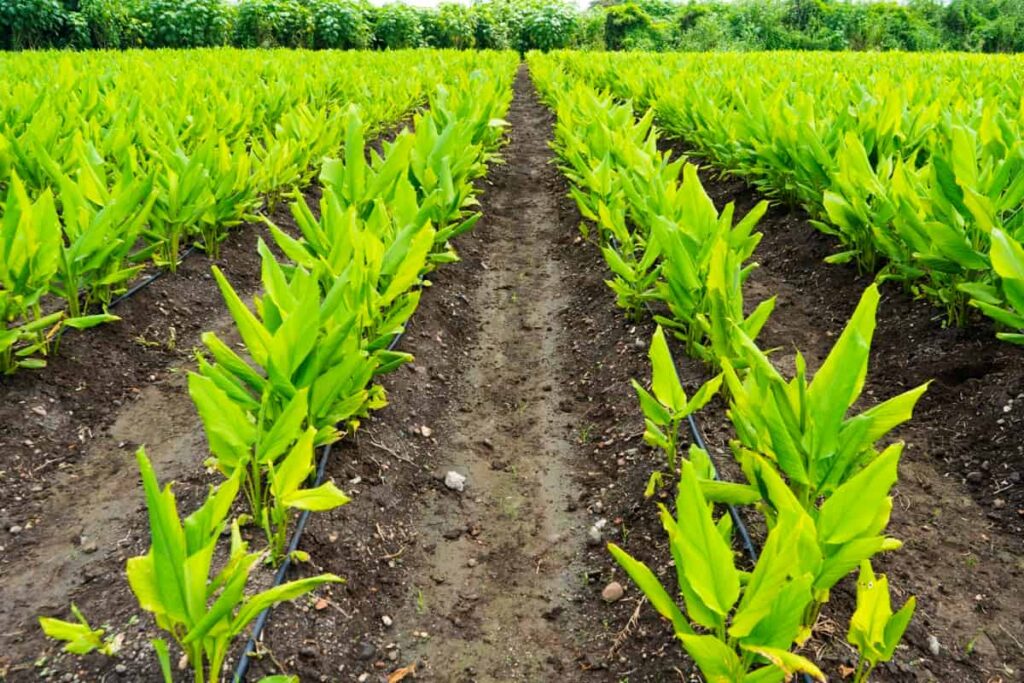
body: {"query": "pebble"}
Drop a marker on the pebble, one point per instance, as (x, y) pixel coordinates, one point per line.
(455, 481)
(307, 652)
(933, 645)
(89, 546)
(998, 503)
(363, 677)
(387, 621)
(15, 530)
(366, 651)
(121, 669)
(594, 534)
(974, 476)
(613, 592)
(472, 562)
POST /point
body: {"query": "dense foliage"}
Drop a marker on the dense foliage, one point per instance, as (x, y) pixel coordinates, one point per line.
(316, 24)
(173, 148)
(964, 25)
(914, 163)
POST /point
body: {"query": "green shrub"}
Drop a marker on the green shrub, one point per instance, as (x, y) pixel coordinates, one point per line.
(490, 31)
(451, 25)
(545, 25)
(623, 22)
(181, 23)
(589, 34)
(272, 23)
(396, 26)
(106, 23)
(28, 24)
(340, 25)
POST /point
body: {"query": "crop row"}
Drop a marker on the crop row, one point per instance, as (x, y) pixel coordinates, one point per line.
(915, 165)
(812, 466)
(110, 161)
(319, 335)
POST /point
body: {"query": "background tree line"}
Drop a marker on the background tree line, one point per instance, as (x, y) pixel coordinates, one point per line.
(967, 25)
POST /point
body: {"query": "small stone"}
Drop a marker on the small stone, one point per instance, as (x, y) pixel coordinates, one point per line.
(998, 503)
(366, 651)
(121, 669)
(472, 562)
(321, 604)
(488, 444)
(363, 677)
(39, 410)
(594, 534)
(15, 530)
(393, 656)
(454, 481)
(308, 652)
(974, 476)
(426, 431)
(933, 645)
(387, 621)
(89, 546)
(613, 592)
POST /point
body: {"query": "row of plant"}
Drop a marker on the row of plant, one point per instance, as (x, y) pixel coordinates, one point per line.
(316, 340)
(314, 24)
(914, 165)
(112, 161)
(815, 471)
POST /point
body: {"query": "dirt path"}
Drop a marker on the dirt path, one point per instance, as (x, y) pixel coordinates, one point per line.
(512, 441)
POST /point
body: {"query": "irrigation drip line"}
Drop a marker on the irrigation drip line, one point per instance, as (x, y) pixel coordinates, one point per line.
(242, 668)
(139, 286)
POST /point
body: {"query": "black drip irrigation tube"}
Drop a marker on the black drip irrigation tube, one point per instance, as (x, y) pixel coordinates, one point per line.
(242, 668)
(146, 282)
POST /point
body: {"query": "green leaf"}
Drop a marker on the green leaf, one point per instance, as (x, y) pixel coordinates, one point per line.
(855, 509)
(839, 381)
(707, 558)
(273, 596)
(716, 660)
(659, 598)
(664, 380)
(324, 497)
(789, 662)
(163, 656)
(87, 321)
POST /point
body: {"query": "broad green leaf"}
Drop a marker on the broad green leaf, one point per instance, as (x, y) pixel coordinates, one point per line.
(659, 598)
